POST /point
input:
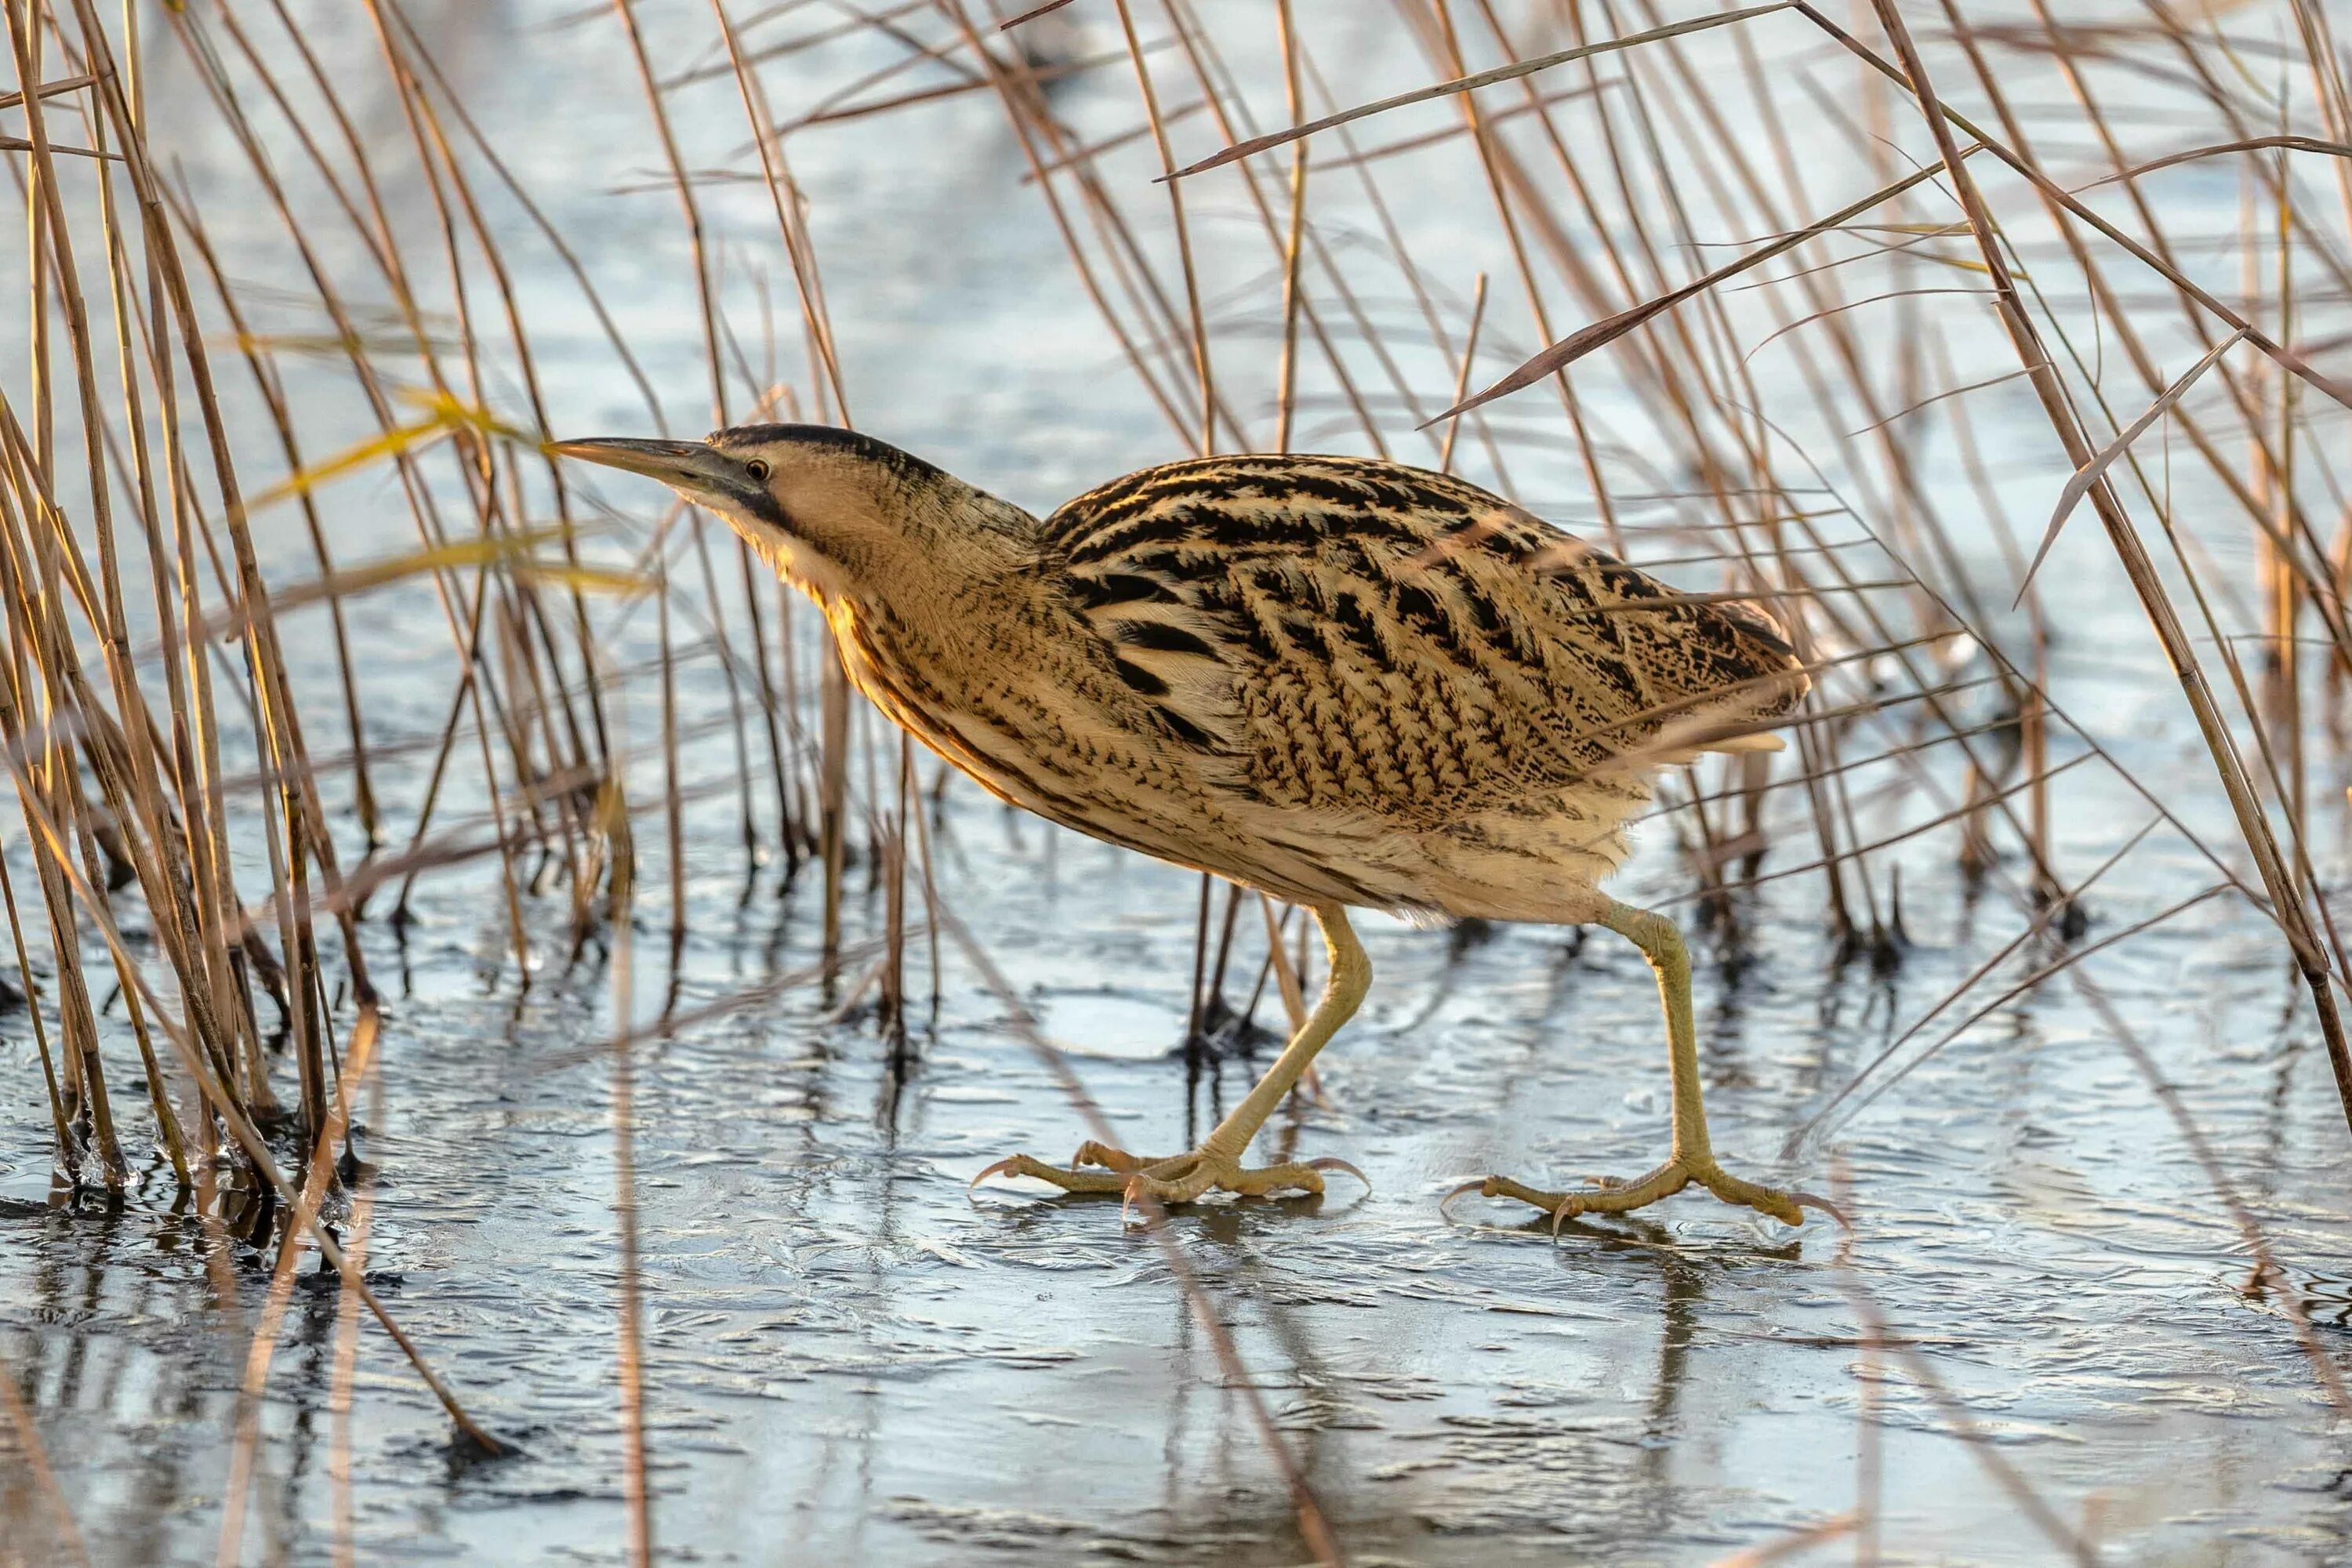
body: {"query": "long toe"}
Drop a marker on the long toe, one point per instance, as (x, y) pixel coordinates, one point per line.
(1113, 1159)
(1613, 1195)
(1182, 1180)
(1610, 1194)
(1291, 1177)
(1179, 1180)
(1069, 1181)
(1782, 1206)
(1518, 1192)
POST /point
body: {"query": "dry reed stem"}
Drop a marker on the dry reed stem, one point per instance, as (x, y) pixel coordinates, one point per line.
(341, 1395)
(1576, 344)
(1470, 83)
(249, 1139)
(629, 1328)
(244, 1450)
(1032, 14)
(2253, 822)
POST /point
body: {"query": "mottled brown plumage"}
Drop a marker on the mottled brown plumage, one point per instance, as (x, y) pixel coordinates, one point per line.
(1434, 699)
(1343, 681)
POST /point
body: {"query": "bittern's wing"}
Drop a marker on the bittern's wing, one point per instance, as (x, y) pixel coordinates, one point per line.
(1363, 636)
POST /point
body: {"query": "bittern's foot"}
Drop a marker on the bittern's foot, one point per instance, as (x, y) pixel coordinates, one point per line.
(1177, 1180)
(1617, 1196)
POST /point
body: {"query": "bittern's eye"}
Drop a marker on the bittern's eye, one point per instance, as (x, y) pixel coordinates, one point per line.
(757, 469)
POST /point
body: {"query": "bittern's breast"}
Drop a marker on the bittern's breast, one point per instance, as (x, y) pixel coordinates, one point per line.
(1027, 720)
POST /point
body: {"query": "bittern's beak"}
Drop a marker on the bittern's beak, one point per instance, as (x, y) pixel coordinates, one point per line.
(696, 469)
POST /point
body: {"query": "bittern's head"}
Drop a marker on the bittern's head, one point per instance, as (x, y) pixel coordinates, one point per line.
(832, 509)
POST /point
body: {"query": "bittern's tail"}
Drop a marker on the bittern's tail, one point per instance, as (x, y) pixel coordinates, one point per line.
(1757, 626)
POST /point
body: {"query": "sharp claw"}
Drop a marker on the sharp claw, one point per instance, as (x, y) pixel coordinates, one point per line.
(1809, 1201)
(1333, 1162)
(996, 1170)
(1482, 1185)
(1562, 1215)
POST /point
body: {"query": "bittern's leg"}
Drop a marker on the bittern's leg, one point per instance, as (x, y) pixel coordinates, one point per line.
(1217, 1163)
(1693, 1159)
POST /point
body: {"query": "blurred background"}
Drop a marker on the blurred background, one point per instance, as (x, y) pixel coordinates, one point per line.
(497, 1032)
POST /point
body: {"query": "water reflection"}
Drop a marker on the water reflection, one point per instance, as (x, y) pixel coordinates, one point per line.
(822, 1296)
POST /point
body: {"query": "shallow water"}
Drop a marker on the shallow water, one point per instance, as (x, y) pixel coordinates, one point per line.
(851, 1359)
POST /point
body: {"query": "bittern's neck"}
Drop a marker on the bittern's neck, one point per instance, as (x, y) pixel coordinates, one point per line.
(931, 559)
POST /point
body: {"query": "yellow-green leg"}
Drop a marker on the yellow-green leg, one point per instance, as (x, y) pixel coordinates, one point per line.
(1216, 1164)
(1693, 1158)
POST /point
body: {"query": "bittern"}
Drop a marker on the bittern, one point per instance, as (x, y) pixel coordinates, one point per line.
(1346, 683)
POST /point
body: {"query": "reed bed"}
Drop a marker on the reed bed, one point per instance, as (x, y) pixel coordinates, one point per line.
(1741, 279)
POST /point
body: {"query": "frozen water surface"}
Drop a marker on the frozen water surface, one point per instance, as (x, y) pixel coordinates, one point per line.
(2043, 1340)
(851, 1360)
